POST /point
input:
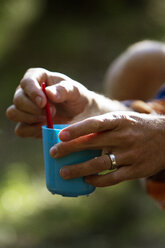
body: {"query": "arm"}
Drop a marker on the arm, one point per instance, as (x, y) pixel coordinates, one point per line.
(100, 104)
(70, 101)
(137, 73)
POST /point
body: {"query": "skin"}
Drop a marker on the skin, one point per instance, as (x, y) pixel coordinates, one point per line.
(135, 139)
(29, 101)
(69, 101)
(141, 66)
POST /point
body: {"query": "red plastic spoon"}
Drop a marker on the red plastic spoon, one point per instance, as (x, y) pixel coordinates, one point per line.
(47, 108)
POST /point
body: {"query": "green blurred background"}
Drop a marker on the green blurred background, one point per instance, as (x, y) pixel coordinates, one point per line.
(80, 39)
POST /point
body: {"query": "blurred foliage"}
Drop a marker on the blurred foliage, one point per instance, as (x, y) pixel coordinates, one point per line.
(31, 217)
(79, 39)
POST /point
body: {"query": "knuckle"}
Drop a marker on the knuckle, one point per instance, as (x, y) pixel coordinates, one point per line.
(24, 82)
(28, 86)
(62, 89)
(76, 91)
(103, 163)
(122, 122)
(17, 100)
(10, 112)
(19, 131)
(72, 172)
(126, 136)
(30, 120)
(123, 138)
(115, 179)
(60, 148)
(23, 131)
(33, 95)
(97, 124)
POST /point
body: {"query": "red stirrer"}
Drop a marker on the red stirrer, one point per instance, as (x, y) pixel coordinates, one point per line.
(47, 108)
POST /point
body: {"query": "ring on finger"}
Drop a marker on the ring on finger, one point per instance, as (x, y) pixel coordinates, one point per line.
(112, 158)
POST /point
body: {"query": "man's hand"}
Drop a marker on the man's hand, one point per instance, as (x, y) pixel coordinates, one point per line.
(67, 97)
(136, 140)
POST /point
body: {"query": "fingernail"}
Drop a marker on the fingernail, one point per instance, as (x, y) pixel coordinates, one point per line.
(58, 96)
(53, 152)
(64, 172)
(64, 135)
(38, 101)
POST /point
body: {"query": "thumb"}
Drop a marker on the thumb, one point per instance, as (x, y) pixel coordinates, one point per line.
(62, 91)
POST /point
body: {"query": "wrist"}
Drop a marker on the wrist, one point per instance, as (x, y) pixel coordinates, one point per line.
(101, 104)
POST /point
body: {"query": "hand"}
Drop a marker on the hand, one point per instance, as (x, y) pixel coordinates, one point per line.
(68, 99)
(136, 140)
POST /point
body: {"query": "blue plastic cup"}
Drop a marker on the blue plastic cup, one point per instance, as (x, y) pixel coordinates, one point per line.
(54, 182)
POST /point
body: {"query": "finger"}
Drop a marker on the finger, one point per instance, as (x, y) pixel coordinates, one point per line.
(92, 166)
(22, 102)
(19, 116)
(120, 175)
(32, 80)
(62, 91)
(122, 158)
(109, 140)
(31, 85)
(90, 125)
(24, 130)
(85, 142)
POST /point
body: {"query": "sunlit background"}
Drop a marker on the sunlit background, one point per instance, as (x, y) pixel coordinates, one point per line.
(80, 39)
